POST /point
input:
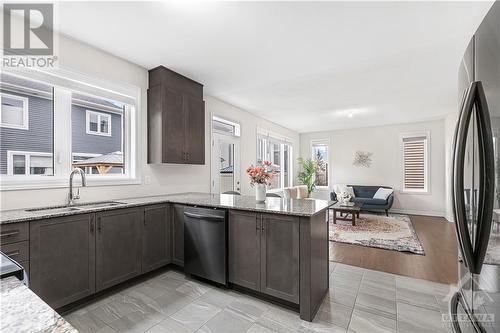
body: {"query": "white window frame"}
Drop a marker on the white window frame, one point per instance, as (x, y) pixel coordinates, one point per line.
(325, 143)
(64, 82)
(235, 124)
(276, 138)
(99, 115)
(427, 162)
(25, 101)
(27, 161)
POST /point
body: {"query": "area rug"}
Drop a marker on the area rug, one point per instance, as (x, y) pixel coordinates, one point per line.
(392, 233)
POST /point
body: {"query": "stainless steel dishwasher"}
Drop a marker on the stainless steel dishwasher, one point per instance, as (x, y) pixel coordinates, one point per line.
(205, 243)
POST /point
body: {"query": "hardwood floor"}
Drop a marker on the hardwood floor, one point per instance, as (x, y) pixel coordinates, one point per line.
(439, 263)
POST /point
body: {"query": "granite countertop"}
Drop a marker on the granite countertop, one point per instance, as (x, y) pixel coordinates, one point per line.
(295, 207)
(23, 311)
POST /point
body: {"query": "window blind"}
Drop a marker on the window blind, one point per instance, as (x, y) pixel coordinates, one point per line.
(414, 163)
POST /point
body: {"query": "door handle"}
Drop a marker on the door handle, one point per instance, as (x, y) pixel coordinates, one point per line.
(474, 253)
(486, 177)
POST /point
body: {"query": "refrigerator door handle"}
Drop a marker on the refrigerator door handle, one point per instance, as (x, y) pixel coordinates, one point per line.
(459, 210)
(486, 177)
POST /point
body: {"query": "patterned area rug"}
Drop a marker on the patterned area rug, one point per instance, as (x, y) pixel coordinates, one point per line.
(392, 233)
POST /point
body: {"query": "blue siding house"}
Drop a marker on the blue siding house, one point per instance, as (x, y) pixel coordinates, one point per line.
(27, 129)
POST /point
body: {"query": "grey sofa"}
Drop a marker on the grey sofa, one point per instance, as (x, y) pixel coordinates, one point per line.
(363, 195)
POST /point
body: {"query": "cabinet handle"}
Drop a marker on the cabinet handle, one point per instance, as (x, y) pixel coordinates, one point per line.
(9, 234)
(92, 226)
(187, 157)
(257, 225)
(144, 217)
(99, 225)
(262, 224)
(12, 253)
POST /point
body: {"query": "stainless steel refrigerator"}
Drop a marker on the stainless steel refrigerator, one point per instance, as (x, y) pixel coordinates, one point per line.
(476, 182)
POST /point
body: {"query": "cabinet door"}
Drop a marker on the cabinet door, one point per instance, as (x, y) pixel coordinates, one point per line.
(178, 235)
(173, 128)
(62, 259)
(195, 130)
(280, 257)
(244, 249)
(118, 246)
(156, 238)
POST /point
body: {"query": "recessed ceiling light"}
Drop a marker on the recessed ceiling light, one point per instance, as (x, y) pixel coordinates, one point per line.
(350, 115)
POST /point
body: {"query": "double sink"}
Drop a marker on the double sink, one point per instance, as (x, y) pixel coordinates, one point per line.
(77, 207)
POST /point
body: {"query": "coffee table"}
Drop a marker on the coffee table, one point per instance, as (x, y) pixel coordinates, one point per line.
(351, 212)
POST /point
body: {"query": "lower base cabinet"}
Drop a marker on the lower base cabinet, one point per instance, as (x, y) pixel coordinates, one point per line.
(178, 235)
(156, 245)
(62, 259)
(118, 246)
(264, 253)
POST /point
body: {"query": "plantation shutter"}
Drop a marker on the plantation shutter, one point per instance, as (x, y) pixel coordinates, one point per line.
(414, 152)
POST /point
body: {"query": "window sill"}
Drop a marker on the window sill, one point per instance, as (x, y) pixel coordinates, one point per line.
(415, 192)
(10, 184)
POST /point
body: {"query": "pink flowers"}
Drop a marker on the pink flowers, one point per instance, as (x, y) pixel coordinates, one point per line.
(262, 174)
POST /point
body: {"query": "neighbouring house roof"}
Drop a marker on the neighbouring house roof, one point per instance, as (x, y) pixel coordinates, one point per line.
(103, 163)
(228, 169)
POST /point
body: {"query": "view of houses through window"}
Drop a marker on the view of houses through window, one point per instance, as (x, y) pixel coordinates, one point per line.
(27, 129)
(279, 152)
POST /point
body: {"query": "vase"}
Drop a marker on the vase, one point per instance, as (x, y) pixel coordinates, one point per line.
(260, 192)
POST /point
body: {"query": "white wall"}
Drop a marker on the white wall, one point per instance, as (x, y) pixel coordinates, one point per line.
(386, 169)
(164, 179)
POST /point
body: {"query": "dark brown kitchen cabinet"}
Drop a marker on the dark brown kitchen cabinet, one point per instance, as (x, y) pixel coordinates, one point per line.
(156, 245)
(118, 246)
(244, 249)
(62, 258)
(264, 253)
(280, 256)
(176, 118)
(178, 234)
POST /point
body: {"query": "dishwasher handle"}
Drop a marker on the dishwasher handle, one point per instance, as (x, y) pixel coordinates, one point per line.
(204, 217)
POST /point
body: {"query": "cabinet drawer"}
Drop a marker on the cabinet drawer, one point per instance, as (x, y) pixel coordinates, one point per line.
(14, 232)
(16, 251)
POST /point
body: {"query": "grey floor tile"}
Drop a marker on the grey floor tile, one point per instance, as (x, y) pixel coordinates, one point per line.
(320, 326)
(135, 322)
(417, 297)
(378, 305)
(85, 322)
(170, 302)
(342, 296)
(331, 266)
(248, 310)
(195, 314)
(345, 281)
(114, 310)
(169, 325)
(283, 317)
(257, 328)
(334, 313)
(193, 289)
(218, 297)
(417, 319)
(228, 321)
(363, 321)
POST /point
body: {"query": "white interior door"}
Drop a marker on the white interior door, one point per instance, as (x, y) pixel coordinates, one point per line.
(225, 160)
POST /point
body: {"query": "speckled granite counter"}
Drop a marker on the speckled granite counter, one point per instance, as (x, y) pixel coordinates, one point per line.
(23, 311)
(296, 207)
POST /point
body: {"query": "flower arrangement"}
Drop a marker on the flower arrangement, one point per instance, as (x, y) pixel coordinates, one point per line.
(261, 174)
(308, 174)
(345, 197)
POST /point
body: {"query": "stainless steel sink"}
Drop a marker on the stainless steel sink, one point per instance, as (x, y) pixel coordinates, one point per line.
(83, 206)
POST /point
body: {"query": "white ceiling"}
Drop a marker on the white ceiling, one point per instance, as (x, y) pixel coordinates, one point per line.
(308, 66)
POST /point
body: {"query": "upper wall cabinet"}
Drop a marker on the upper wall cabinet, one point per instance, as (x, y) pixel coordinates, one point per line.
(176, 118)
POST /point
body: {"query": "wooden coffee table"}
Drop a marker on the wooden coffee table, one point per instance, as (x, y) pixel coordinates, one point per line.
(351, 212)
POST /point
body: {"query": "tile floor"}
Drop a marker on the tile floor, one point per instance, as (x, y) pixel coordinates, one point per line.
(359, 300)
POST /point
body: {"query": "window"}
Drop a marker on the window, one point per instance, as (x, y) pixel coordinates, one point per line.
(14, 112)
(98, 123)
(73, 123)
(26, 150)
(224, 126)
(415, 163)
(319, 152)
(278, 151)
(29, 163)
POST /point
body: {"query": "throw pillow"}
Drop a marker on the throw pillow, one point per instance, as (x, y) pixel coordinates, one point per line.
(383, 193)
(293, 192)
(302, 192)
(350, 191)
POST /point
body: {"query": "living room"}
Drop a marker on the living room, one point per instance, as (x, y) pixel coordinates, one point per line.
(268, 167)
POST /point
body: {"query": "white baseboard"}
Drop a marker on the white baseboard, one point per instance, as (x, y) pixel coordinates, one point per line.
(418, 212)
